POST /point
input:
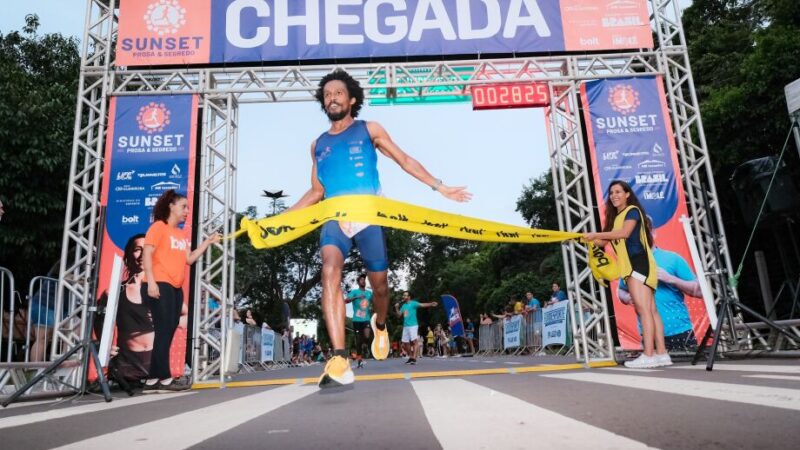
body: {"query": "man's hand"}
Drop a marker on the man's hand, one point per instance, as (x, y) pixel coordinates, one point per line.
(455, 193)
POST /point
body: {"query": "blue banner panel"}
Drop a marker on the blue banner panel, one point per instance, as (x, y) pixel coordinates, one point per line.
(453, 311)
(178, 32)
(630, 139)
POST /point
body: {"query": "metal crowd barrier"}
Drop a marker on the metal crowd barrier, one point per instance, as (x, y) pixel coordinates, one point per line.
(251, 347)
(8, 336)
(42, 294)
(490, 337)
(250, 350)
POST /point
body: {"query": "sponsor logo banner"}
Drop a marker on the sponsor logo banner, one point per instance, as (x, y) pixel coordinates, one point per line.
(178, 32)
(267, 345)
(512, 331)
(630, 139)
(150, 148)
(554, 324)
(453, 315)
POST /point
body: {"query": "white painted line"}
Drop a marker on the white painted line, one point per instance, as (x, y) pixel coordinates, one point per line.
(54, 402)
(626, 369)
(774, 377)
(193, 427)
(519, 424)
(100, 405)
(739, 393)
(746, 368)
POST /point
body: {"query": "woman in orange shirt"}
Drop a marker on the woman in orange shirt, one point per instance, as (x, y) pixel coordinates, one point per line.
(167, 251)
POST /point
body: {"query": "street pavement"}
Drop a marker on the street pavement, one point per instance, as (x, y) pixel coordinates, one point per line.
(741, 404)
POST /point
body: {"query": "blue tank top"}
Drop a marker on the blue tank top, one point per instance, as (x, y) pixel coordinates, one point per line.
(347, 163)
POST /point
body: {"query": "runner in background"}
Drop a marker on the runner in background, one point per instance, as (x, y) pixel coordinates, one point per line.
(361, 298)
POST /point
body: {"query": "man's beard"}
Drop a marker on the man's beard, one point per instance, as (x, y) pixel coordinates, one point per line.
(336, 116)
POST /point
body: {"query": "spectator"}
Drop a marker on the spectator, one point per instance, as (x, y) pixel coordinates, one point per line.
(469, 335)
(248, 318)
(2, 211)
(519, 307)
(533, 302)
(430, 348)
(486, 319)
(452, 343)
(558, 295)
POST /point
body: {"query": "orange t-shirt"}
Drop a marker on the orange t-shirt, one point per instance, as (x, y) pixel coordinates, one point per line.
(169, 257)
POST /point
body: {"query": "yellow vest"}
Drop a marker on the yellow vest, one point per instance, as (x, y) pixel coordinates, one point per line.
(623, 260)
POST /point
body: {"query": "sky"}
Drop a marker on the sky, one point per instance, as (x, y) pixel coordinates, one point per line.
(494, 153)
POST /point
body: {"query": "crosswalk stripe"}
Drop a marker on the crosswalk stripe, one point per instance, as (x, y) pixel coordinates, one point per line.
(522, 423)
(26, 419)
(740, 393)
(191, 428)
(745, 368)
(774, 377)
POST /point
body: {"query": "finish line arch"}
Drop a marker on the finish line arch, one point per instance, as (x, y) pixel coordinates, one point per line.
(223, 89)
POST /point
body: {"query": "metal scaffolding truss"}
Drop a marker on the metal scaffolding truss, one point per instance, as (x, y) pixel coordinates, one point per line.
(392, 80)
(78, 252)
(222, 90)
(696, 170)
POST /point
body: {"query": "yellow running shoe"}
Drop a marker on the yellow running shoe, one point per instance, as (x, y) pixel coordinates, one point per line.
(337, 373)
(380, 343)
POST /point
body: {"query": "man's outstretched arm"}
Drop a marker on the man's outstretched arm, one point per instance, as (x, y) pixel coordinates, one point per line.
(317, 191)
(385, 144)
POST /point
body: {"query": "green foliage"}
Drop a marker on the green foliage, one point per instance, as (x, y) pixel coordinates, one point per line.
(483, 277)
(265, 279)
(743, 53)
(39, 82)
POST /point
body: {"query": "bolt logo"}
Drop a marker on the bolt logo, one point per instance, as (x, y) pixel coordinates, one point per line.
(165, 16)
(153, 117)
(623, 98)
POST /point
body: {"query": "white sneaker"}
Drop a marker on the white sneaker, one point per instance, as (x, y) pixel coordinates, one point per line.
(642, 362)
(663, 360)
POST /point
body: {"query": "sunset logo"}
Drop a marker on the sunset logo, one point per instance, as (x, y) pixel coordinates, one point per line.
(153, 117)
(165, 17)
(623, 98)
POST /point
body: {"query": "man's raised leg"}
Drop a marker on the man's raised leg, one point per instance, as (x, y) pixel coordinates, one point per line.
(337, 371)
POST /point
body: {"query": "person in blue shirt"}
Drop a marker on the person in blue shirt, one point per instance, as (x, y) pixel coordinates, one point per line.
(344, 161)
(675, 279)
(558, 295)
(361, 298)
(533, 303)
(410, 325)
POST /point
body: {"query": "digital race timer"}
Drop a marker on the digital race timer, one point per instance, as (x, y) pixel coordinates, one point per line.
(517, 95)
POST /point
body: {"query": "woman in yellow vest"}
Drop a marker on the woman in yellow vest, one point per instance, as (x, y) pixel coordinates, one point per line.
(628, 231)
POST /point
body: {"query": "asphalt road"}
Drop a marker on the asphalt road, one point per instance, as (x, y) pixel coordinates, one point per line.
(741, 404)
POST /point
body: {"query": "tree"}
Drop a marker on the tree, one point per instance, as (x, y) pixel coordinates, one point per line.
(743, 53)
(483, 276)
(291, 273)
(39, 82)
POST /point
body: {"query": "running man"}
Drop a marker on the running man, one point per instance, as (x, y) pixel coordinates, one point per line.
(362, 312)
(410, 325)
(344, 162)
